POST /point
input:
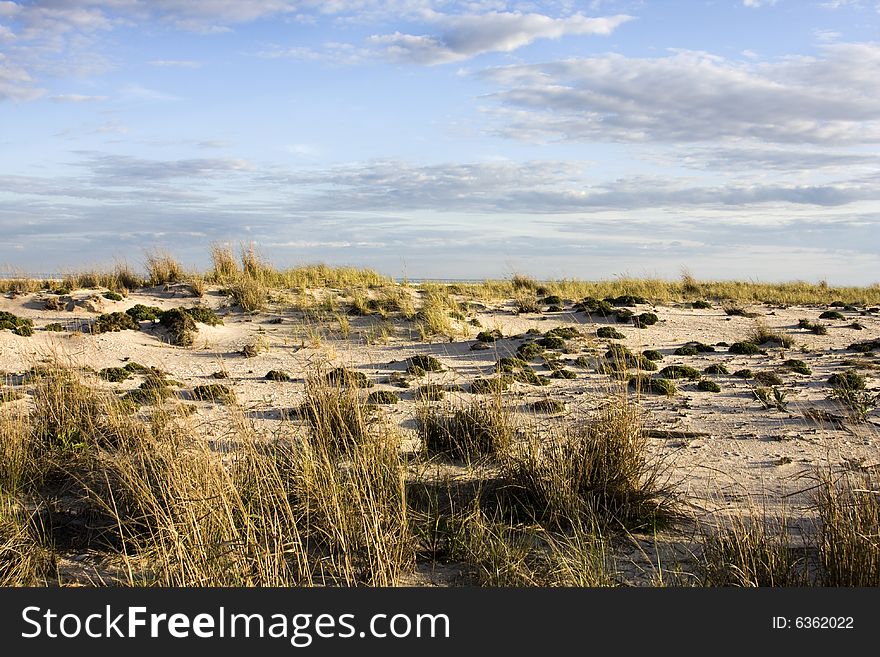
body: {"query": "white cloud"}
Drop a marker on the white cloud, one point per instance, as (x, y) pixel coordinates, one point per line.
(175, 63)
(465, 36)
(76, 98)
(693, 97)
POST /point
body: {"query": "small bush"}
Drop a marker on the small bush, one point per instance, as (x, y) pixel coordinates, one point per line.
(276, 375)
(340, 376)
(744, 348)
(685, 351)
(679, 372)
(768, 379)
(652, 354)
(18, 325)
(112, 296)
(552, 341)
(744, 374)
(485, 386)
(430, 392)
(818, 329)
(115, 374)
(564, 332)
(563, 373)
(645, 383)
(716, 369)
(734, 311)
(54, 327)
(626, 300)
(701, 305)
(142, 313)
(645, 320)
(831, 314)
(162, 268)
(489, 336)
(526, 303)
(529, 350)
(114, 322)
(865, 347)
(552, 300)
(547, 406)
(383, 397)
(214, 392)
(424, 362)
(610, 333)
(181, 326)
(708, 386)
(798, 366)
(850, 380)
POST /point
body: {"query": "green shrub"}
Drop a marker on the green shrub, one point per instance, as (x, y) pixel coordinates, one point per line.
(564, 332)
(610, 333)
(744, 348)
(484, 386)
(489, 336)
(552, 341)
(18, 325)
(850, 380)
(645, 320)
(276, 375)
(181, 326)
(552, 300)
(716, 369)
(831, 314)
(214, 392)
(701, 305)
(340, 376)
(54, 326)
(708, 386)
(142, 313)
(563, 374)
(529, 350)
(686, 351)
(115, 374)
(798, 366)
(744, 374)
(112, 296)
(768, 379)
(382, 397)
(652, 354)
(865, 347)
(547, 406)
(626, 300)
(645, 383)
(425, 363)
(117, 321)
(679, 372)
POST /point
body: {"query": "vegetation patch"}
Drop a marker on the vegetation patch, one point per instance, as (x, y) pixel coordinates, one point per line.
(796, 365)
(493, 385)
(744, 348)
(214, 392)
(181, 326)
(657, 386)
(529, 350)
(563, 373)
(701, 305)
(547, 405)
(424, 362)
(552, 300)
(832, 314)
(54, 327)
(679, 372)
(341, 376)
(762, 334)
(475, 432)
(645, 320)
(708, 386)
(652, 354)
(113, 296)
(277, 375)
(609, 332)
(117, 321)
(768, 378)
(383, 397)
(491, 335)
(626, 300)
(115, 374)
(552, 341)
(430, 392)
(141, 313)
(865, 347)
(18, 325)
(717, 369)
(564, 332)
(850, 380)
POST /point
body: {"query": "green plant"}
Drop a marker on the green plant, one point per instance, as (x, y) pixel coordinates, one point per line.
(771, 398)
(275, 375)
(425, 363)
(679, 372)
(798, 366)
(658, 386)
(214, 392)
(383, 397)
(652, 354)
(477, 431)
(708, 386)
(609, 333)
(716, 369)
(340, 376)
(644, 320)
(745, 348)
(116, 321)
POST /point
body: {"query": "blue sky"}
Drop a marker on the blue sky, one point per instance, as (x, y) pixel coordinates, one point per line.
(444, 138)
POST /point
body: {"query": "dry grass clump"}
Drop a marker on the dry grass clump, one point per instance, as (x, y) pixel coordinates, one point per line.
(761, 334)
(249, 293)
(754, 552)
(478, 431)
(162, 268)
(434, 314)
(849, 535)
(24, 558)
(599, 474)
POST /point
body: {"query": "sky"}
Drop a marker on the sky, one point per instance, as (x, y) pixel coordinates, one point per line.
(734, 139)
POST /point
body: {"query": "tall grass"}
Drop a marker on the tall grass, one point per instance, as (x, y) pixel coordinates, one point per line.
(162, 268)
